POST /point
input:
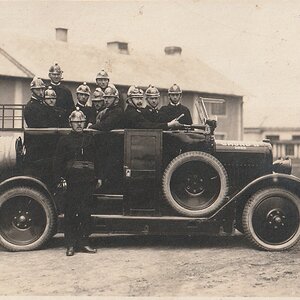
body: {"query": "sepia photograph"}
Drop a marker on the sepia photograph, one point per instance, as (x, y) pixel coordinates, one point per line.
(149, 149)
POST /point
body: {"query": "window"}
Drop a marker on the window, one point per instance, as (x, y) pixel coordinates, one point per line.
(296, 137)
(218, 109)
(272, 138)
(289, 150)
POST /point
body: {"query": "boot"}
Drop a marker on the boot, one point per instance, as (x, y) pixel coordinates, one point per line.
(70, 251)
(87, 249)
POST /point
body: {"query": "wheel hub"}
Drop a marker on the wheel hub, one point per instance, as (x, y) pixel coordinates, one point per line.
(22, 220)
(276, 218)
(194, 185)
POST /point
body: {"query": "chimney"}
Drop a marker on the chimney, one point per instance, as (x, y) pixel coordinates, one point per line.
(118, 47)
(61, 34)
(173, 50)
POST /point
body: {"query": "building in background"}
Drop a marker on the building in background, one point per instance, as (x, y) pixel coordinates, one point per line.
(21, 58)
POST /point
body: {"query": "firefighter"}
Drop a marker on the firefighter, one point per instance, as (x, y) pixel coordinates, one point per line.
(111, 117)
(175, 109)
(74, 167)
(98, 101)
(102, 80)
(34, 110)
(64, 95)
(133, 117)
(151, 111)
(55, 116)
(83, 93)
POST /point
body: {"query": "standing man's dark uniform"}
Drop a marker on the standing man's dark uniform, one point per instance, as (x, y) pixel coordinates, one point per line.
(34, 111)
(83, 93)
(151, 111)
(133, 116)
(63, 94)
(111, 117)
(174, 109)
(98, 102)
(75, 161)
(54, 116)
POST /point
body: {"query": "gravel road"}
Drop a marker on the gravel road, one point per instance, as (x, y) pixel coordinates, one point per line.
(152, 266)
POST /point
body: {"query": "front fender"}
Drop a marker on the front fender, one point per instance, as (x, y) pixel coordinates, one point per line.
(26, 181)
(288, 182)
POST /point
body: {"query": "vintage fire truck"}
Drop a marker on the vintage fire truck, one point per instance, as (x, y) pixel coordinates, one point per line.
(180, 182)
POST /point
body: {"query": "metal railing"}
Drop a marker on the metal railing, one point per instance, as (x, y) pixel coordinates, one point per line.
(12, 117)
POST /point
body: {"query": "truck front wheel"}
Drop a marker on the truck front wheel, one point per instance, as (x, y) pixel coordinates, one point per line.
(271, 219)
(27, 219)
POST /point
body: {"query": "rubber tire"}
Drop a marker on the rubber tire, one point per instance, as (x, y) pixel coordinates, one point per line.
(250, 234)
(50, 212)
(196, 156)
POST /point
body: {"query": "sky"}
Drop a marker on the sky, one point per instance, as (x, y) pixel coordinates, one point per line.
(254, 43)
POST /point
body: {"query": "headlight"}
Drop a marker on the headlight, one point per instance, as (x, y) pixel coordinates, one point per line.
(282, 165)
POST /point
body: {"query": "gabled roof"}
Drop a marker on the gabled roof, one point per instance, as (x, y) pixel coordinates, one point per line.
(82, 63)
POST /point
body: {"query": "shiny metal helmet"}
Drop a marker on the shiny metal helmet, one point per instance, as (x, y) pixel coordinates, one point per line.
(50, 93)
(98, 95)
(134, 92)
(111, 91)
(102, 74)
(55, 69)
(77, 116)
(174, 89)
(37, 83)
(84, 89)
(152, 91)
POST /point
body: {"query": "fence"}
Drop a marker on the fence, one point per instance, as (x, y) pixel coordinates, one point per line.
(12, 116)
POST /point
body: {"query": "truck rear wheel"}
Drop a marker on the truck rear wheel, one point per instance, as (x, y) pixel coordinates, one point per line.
(195, 184)
(271, 219)
(27, 219)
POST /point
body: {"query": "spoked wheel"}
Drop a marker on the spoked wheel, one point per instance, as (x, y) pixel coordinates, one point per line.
(27, 219)
(271, 219)
(195, 183)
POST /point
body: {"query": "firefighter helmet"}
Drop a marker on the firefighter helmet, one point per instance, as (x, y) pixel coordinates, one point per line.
(83, 89)
(102, 74)
(175, 89)
(37, 83)
(77, 116)
(55, 69)
(152, 91)
(50, 93)
(97, 95)
(134, 92)
(111, 91)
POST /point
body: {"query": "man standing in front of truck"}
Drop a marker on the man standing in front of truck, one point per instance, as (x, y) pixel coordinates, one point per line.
(74, 165)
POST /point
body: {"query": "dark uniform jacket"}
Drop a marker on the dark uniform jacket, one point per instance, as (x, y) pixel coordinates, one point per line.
(151, 114)
(110, 118)
(75, 158)
(89, 111)
(170, 112)
(55, 117)
(134, 118)
(64, 98)
(34, 113)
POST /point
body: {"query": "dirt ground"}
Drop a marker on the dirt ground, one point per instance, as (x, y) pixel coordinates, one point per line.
(152, 266)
